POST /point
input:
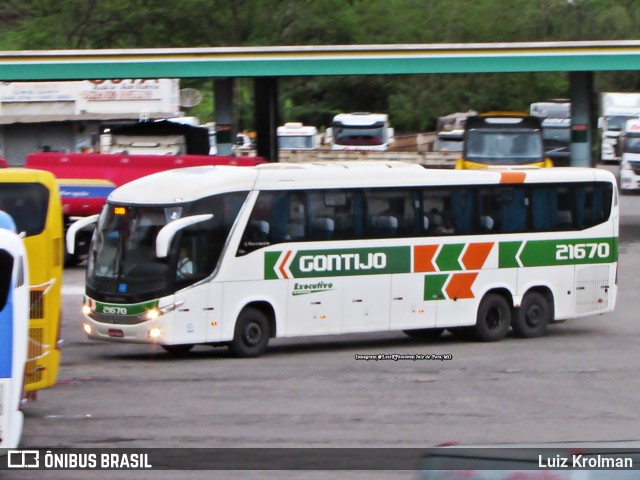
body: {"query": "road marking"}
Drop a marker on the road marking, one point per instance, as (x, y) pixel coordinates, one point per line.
(73, 290)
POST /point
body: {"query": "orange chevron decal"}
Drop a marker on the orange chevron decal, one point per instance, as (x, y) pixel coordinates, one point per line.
(475, 255)
(284, 262)
(459, 285)
(423, 256)
(512, 177)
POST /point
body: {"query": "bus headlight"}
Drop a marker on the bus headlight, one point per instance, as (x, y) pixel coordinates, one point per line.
(155, 333)
(625, 166)
(156, 312)
(86, 309)
(86, 327)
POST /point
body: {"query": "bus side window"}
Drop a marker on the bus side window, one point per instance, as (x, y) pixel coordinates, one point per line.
(513, 209)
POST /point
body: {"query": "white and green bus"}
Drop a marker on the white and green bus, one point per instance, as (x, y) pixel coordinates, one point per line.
(235, 256)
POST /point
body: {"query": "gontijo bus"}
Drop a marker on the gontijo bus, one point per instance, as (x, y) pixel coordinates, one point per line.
(503, 139)
(31, 197)
(283, 250)
(14, 310)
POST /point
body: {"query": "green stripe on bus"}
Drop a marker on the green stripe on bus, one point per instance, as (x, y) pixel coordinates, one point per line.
(545, 253)
(338, 263)
(122, 309)
(387, 260)
(507, 254)
(448, 257)
(433, 285)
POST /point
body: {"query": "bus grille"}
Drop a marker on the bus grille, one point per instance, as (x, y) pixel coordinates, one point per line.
(33, 371)
(36, 310)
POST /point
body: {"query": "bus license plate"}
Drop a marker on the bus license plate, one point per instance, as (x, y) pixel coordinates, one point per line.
(115, 332)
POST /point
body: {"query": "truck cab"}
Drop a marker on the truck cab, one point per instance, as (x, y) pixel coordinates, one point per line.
(630, 156)
(360, 131)
(296, 136)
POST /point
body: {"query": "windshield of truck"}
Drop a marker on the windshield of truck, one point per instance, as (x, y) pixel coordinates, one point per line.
(354, 135)
(449, 143)
(122, 263)
(632, 144)
(295, 142)
(504, 147)
(556, 135)
(27, 203)
(617, 122)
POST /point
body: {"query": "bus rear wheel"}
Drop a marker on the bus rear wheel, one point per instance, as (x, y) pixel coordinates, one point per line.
(533, 316)
(494, 318)
(251, 335)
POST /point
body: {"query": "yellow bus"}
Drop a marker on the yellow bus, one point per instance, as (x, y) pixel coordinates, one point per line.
(32, 198)
(503, 139)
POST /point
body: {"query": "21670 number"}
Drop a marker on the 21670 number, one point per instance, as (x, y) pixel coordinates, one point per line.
(580, 251)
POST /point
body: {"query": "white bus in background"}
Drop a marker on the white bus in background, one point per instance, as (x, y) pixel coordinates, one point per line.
(287, 250)
(296, 136)
(360, 131)
(630, 159)
(14, 331)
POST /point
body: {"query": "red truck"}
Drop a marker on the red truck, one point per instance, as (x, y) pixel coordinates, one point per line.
(87, 179)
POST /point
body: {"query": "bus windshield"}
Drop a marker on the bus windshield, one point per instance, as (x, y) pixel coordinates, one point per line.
(295, 142)
(27, 205)
(500, 147)
(449, 143)
(632, 144)
(123, 263)
(618, 122)
(355, 135)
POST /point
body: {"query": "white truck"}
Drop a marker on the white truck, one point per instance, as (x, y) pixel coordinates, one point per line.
(450, 132)
(556, 129)
(160, 137)
(629, 142)
(296, 136)
(615, 110)
(360, 131)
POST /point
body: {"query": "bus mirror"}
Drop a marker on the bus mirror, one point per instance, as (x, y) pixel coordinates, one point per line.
(166, 233)
(73, 230)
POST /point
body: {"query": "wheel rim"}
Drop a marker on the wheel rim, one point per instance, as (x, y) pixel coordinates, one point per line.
(494, 318)
(533, 316)
(252, 334)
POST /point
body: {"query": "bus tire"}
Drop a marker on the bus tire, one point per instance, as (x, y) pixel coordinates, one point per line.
(424, 333)
(494, 318)
(533, 316)
(178, 349)
(251, 335)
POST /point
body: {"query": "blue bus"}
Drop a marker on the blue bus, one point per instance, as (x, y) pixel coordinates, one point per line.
(14, 330)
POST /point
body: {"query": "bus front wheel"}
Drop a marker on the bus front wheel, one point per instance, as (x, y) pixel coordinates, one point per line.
(533, 316)
(251, 335)
(494, 318)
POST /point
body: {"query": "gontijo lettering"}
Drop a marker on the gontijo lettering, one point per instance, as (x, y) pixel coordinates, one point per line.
(345, 261)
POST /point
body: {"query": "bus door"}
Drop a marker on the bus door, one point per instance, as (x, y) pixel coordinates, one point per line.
(314, 286)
